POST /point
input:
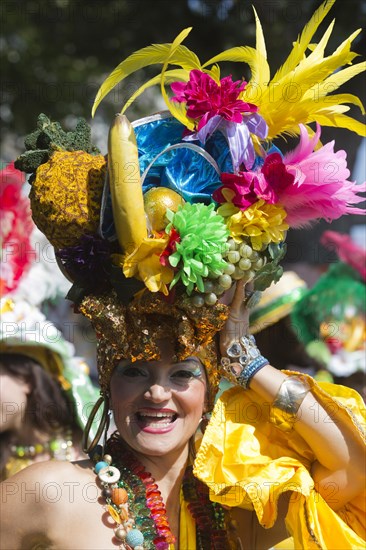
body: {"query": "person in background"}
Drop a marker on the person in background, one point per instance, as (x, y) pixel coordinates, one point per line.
(163, 256)
(330, 318)
(45, 389)
(270, 322)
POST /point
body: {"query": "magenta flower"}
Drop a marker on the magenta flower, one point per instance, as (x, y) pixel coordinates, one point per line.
(216, 107)
(245, 188)
(206, 98)
(240, 189)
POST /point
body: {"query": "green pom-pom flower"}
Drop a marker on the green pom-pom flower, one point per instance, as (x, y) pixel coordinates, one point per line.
(199, 254)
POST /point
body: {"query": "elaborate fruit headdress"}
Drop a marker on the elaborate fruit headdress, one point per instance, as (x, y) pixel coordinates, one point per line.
(28, 280)
(196, 197)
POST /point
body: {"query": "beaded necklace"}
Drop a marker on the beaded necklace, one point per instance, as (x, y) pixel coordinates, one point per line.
(59, 448)
(134, 502)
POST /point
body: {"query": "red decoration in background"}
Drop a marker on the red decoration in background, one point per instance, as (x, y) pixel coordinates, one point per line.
(346, 249)
(17, 254)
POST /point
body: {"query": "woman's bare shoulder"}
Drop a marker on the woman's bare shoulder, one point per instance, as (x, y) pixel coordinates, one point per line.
(52, 471)
(39, 494)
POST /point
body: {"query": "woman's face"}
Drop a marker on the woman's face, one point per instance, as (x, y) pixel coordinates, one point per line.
(158, 405)
(13, 396)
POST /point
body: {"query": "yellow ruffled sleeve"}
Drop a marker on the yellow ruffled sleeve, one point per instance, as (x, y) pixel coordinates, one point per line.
(248, 462)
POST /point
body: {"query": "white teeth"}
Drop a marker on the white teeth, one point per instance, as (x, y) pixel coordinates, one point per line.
(162, 419)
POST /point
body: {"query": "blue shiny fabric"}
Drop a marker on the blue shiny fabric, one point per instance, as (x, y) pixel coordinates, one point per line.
(182, 169)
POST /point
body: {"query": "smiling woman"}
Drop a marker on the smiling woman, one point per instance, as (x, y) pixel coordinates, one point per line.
(158, 398)
(277, 454)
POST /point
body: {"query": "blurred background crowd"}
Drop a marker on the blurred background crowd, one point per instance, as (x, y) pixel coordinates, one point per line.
(54, 56)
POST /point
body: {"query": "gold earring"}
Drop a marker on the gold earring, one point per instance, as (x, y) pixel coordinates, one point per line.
(104, 424)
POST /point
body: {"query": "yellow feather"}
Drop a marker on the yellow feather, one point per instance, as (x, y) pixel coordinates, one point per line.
(150, 55)
(175, 109)
(335, 109)
(315, 67)
(342, 121)
(170, 76)
(214, 72)
(302, 42)
(346, 44)
(260, 43)
(263, 71)
(337, 79)
(288, 101)
(243, 54)
(318, 50)
(315, 104)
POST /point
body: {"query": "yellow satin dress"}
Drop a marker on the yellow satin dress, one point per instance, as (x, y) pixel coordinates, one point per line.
(248, 462)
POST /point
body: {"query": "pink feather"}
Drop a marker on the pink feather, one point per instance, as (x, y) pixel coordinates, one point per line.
(321, 188)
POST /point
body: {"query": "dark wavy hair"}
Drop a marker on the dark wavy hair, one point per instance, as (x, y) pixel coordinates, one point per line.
(48, 407)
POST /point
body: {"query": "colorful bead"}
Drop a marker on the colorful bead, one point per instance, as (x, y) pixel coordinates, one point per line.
(120, 533)
(144, 507)
(134, 538)
(110, 474)
(99, 466)
(119, 496)
(114, 514)
(107, 459)
(106, 492)
(123, 514)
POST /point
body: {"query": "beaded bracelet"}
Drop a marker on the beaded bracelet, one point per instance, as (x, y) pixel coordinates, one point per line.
(285, 407)
(243, 361)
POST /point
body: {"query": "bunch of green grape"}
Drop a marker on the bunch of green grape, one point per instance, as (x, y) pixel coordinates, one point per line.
(242, 263)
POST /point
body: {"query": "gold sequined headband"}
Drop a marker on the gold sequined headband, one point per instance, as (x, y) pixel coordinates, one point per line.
(132, 331)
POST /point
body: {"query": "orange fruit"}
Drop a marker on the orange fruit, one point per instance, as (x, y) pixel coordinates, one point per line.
(156, 201)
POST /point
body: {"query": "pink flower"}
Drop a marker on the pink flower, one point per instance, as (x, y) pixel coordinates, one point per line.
(206, 98)
(321, 188)
(311, 185)
(245, 188)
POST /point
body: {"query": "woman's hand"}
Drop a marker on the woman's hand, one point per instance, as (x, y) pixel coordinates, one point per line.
(237, 324)
(339, 455)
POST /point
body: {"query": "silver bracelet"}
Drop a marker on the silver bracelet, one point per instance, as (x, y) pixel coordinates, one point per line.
(243, 361)
(286, 404)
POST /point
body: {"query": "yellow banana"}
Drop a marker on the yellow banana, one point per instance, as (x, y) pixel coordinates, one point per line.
(125, 185)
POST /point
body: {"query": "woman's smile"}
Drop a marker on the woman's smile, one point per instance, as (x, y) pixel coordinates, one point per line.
(156, 420)
(162, 398)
